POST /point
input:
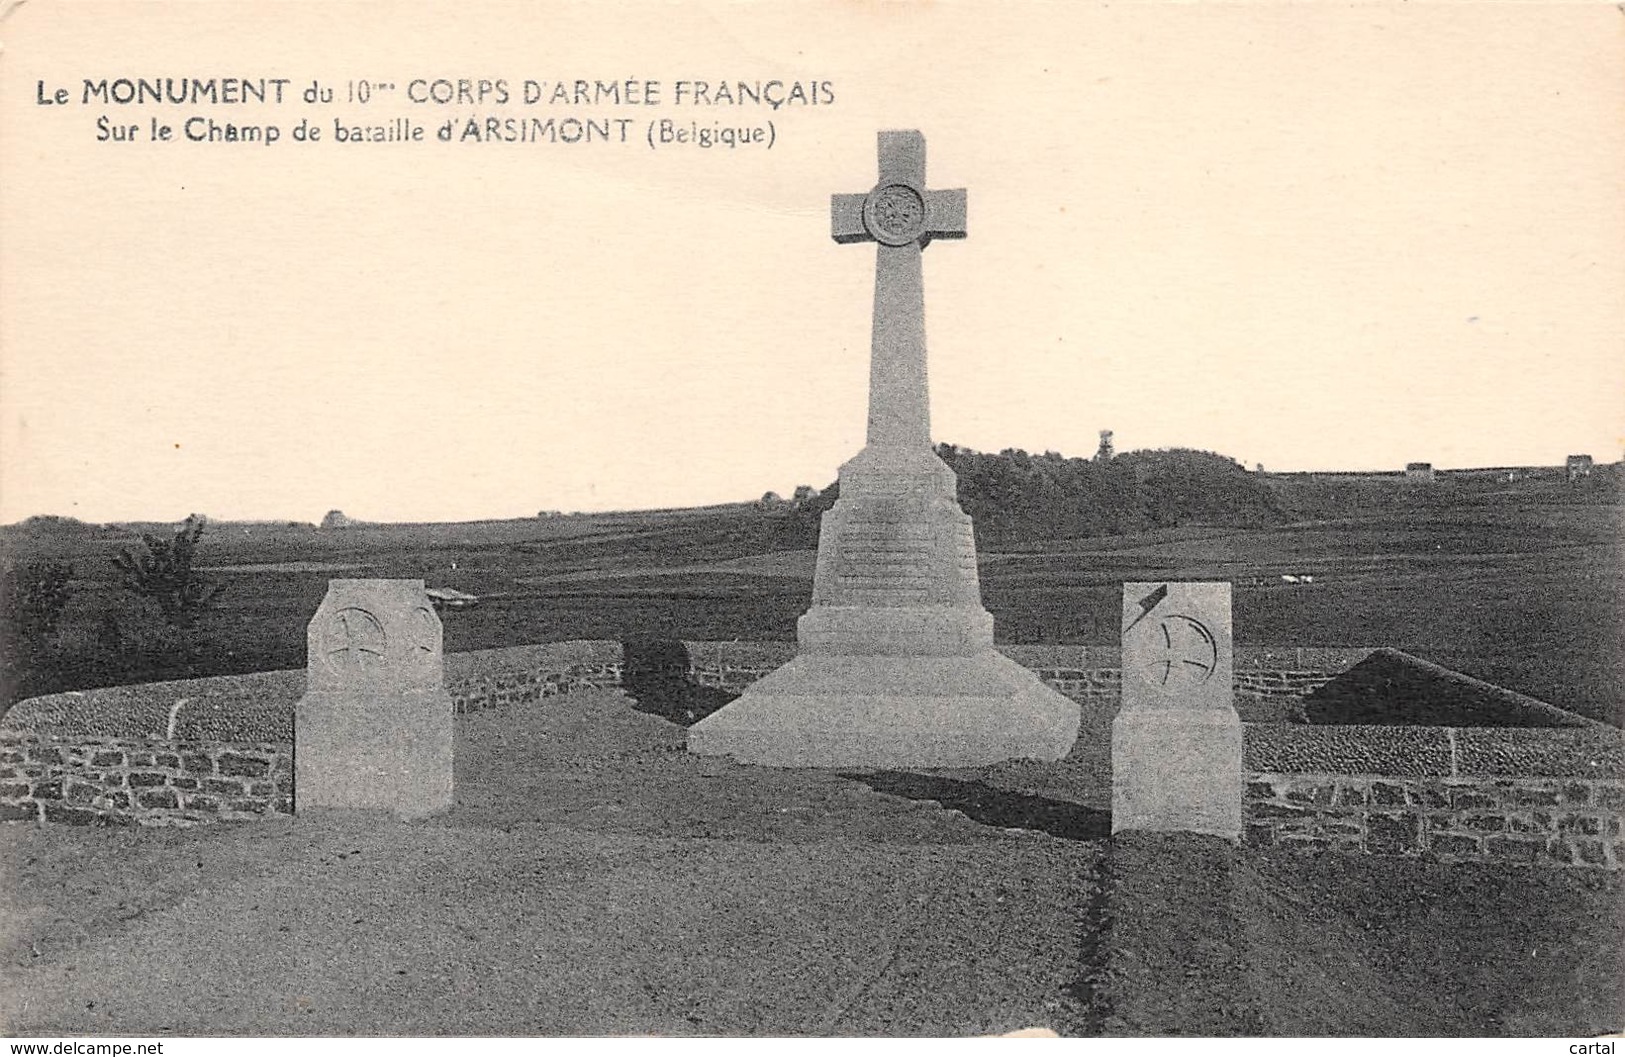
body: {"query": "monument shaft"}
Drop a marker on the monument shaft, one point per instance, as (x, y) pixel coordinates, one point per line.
(899, 404)
(896, 570)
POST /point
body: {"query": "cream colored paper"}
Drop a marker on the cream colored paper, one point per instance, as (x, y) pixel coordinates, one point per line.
(1308, 236)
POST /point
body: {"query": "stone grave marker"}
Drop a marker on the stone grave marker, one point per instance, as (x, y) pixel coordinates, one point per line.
(374, 729)
(1176, 741)
(896, 666)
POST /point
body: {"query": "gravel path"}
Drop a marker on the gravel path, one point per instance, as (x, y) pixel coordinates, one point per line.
(593, 879)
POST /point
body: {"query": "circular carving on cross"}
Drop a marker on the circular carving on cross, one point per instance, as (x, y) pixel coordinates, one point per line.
(354, 641)
(1186, 655)
(423, 634)
(895, 214)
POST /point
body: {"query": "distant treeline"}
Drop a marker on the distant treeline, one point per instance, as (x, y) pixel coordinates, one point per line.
(1017, 498)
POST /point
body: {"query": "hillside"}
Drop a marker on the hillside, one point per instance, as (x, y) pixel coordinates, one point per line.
(1018, 500)
(1521, 584)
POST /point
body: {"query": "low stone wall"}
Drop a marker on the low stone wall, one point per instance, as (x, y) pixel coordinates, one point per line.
(487, 679)
(183, 752)
(1550, 796)
(120, 781)
(1596, 751)
(258, 708)
(246, 708)
(1537, 821)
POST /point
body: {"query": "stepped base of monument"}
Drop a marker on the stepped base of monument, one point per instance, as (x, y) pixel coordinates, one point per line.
(822, 710)
(900, 631)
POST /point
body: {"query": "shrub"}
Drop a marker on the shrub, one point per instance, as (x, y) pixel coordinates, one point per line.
(165, 574)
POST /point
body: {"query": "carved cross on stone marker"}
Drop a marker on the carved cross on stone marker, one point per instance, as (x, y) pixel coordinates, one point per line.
(902, 217)
(353, 637)
(1183, 653)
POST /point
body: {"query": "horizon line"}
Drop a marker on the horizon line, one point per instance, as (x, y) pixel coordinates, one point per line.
(1556, 468)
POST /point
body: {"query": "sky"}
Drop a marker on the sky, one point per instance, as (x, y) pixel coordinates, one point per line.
(1311, 236)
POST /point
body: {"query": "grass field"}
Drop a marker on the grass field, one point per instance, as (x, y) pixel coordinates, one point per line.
(1519, 589)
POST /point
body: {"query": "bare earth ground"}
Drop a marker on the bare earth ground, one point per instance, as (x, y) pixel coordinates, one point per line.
(595, 879)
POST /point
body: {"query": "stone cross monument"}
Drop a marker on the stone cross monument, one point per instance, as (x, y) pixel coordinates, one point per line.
(896, 664)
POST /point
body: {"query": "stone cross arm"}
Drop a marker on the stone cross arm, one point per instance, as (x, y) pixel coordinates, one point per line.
(903, 217)
(899, 210)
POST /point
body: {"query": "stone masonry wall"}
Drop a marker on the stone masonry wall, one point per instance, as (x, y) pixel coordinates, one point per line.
(120, 782)
(1535, 821)
(1547, 796)
(505, 689)
(187, 752)
(1268, 681)
(259, 708)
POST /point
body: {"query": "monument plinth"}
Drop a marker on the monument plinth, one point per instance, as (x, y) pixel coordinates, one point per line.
(896, 665)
